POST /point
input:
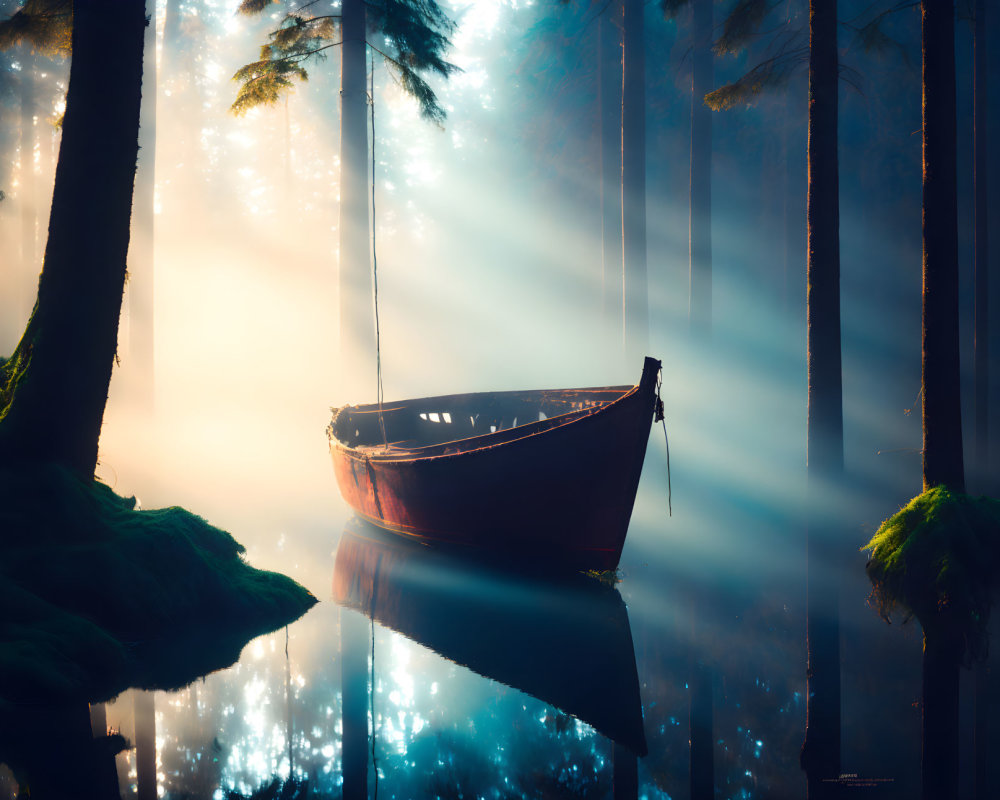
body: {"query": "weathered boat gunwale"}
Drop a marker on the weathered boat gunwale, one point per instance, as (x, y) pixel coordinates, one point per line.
(483, 442)
(560, 489)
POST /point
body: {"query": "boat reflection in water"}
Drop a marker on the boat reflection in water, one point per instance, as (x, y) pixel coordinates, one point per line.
(565, 640)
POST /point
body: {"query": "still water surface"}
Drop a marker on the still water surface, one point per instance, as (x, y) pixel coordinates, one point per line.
(488, 683)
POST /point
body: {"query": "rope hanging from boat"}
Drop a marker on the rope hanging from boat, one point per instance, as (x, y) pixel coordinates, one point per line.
(660, 417)
(378, 332)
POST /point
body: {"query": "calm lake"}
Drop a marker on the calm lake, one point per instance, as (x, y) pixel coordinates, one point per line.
(488, 683)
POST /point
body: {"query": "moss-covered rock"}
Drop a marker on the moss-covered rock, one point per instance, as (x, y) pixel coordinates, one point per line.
(937, 559)
(98, 596)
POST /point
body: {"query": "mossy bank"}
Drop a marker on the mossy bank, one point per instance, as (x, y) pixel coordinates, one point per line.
(98, 596)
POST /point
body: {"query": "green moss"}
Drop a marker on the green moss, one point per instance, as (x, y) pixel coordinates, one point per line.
(937, 559)
(609, 577)
(98, 596)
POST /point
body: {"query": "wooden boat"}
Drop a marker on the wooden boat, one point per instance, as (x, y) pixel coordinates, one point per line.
(543, 476)
(565, 641)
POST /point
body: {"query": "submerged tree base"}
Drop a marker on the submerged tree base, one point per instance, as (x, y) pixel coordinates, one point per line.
(937, 559)
(99, 597)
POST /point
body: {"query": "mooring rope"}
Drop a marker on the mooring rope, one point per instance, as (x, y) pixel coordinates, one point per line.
(661, 417)
(378, 332)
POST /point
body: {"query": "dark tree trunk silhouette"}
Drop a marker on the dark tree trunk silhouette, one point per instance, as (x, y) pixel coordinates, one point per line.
(61, 369)
(982, 283)
(700, 211)
(357, 334)
(825, 449)
(636, 309)
(941, 663)
(609, 102)
(983, 677)
(942, 414)
(140, 260)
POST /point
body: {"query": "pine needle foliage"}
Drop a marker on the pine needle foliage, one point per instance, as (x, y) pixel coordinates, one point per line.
(671, 8)
(414, 36)
(937, 559)
(741, 26)
(264, 82)
(44, 25)
(771, 73)
(250, 8)
(781, 51)
(871, 37)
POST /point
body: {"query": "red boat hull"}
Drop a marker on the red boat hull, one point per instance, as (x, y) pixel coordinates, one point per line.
(563, 491)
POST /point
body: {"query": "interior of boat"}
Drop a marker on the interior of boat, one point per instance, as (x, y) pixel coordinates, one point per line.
(432, 421)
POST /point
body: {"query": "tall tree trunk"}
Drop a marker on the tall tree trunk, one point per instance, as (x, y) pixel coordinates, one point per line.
(140, 261)
(289, 715)
(144, 716)
(942, 412)
(982, 285)
(634, 283)
(171, 37)
(609, 102)
(825, 454)
(354, 696)
(700, 211)
(53, 406)
(28, 192)
(939, 761)
(357, 328)
(983, 677)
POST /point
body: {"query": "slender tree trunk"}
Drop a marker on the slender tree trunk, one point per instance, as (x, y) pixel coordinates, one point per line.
(939, 761)
(357, 327)
(354, 694)
(289, 716)
(171, 37)
(983, 677)
(144, 715)
(700, 210)
(28, 191)
(821, 749)
(141, 264)
(634, 283)
(62, 367)
(942, 412)
(982, 286)
(609, 102)
(289, 203)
